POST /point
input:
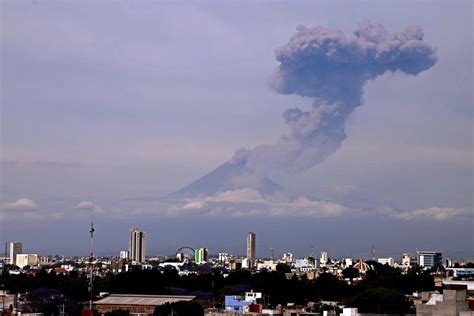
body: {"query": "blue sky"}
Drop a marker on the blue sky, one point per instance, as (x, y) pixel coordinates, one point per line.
(104, 104)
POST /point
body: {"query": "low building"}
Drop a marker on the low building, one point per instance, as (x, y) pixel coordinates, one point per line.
(137, 303)
(267, 264)
(246, 263)
(7, 300)
(306, 264)
(362, 266)
(461, 272)
(450, 303)
(176, 265)
(287, 257)
(388, 261)
(455, 284)
(240, 304)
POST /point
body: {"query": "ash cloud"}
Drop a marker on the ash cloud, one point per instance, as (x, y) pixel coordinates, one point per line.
(331, 68)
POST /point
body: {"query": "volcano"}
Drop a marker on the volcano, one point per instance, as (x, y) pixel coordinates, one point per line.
(230, 176)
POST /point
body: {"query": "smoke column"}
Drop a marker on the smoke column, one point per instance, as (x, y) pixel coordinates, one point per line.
(332, 69)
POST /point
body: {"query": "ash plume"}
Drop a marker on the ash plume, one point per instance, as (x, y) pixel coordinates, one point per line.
(332, 69)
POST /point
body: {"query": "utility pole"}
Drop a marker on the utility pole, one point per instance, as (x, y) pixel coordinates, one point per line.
(91, 258)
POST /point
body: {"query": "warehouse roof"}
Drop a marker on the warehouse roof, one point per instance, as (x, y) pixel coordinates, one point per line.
(133, 299)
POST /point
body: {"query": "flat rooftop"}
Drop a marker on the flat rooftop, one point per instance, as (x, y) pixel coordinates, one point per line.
(136, 299)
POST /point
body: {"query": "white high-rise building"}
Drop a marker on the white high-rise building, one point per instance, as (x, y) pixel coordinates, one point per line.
(23, 260)
(124, 254)
(15, 249)
(223, 257)
(136, 246)
(323, 258)
(251, 247)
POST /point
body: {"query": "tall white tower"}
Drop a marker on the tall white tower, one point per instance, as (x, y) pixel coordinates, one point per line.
(16, 248)
(323, 258)
(251, 248)
(136, 246)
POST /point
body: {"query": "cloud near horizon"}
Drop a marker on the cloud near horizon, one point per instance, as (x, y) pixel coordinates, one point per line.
(25, 209)
(241, 203)
(250, 203)
(22, 204)
(89, 206)
(433, 213)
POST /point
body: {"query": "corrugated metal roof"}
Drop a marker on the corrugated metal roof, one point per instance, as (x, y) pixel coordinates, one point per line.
(133, 299)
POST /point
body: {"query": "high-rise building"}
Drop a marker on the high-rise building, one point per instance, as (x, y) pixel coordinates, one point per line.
(23, 260)
(323, 258)
(251, 247)
(15, 249)
(448, 263)
(223, 257)
(124, 254)
(429, 259)
(201, 255)
(136, 246)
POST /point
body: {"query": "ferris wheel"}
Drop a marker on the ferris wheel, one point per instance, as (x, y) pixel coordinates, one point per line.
(185, 253)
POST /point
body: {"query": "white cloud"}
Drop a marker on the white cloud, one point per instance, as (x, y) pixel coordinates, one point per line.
(25, 209)
(434, 213)
(249, 202)
(89, 206)
(19, 205)
(194, 204)
(241, 195)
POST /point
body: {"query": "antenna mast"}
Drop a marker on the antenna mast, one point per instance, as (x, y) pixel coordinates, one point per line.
(91, 258)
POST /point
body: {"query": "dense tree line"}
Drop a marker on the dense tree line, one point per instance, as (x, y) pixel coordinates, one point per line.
(384, 284)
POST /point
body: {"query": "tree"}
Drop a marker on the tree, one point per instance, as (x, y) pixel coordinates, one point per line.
(329, 288)
(47, 301)
(381, 301)
(350, 273)
(283, 267)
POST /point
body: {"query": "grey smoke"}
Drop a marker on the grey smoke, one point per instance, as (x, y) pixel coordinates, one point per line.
(331, 68)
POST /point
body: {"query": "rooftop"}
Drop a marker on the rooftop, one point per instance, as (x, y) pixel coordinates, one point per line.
(134, 299)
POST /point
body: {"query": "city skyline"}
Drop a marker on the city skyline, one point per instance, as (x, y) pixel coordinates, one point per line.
(184, 121)
(137, 252)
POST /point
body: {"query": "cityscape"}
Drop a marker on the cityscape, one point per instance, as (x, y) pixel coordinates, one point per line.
(244, 157)
(434, 271)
